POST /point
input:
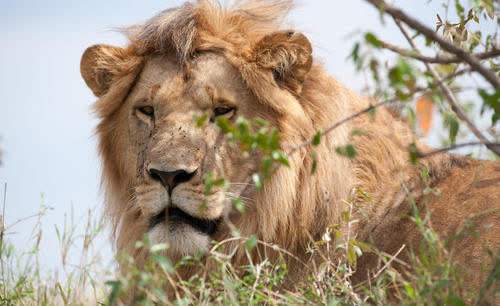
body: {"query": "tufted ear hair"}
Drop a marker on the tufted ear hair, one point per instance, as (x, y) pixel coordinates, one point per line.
(99, 66)
(288, 55)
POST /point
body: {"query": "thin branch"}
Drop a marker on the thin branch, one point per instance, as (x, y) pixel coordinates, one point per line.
(370, 108)
(421, 155)
(448, 94)
(437, 59)
(399, 15)
(390, 261)
(339, 123)
(455, 74)
(10, 226)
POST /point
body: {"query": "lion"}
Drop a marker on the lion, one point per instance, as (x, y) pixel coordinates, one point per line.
(202, 58)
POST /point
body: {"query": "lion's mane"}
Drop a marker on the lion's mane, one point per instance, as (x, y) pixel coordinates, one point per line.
(294, 206)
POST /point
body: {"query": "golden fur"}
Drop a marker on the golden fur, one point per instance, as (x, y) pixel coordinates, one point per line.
(190, 59)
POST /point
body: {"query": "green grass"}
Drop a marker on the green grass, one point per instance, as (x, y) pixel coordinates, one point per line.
(434, 280)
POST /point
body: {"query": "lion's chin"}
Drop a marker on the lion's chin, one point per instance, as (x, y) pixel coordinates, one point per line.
(181, 239)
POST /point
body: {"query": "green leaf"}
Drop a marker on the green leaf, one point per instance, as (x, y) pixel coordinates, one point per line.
(201, 120)
(115, 287)
(491, 101)
(413, 151)
(351, 152)
(260, 122)
(357, 132)
(223, 124)
(374, 69)
(345, 216)
(314, 163)
(203, 205)
(164, 263)
(347, 151)
(257, 181)
(454, 300)
(208, 178)
(158, 247)
(363, 246)
(454, 131)
(251, 242)
(373, 40)
(453, 127)
(281, 158)
(274, 139)
(460, 9)
(243, 129)
(351, 256)
(409, 290)
(316, 140)
(358, 61)
(221, 182)
(238, 204)
(266, 165)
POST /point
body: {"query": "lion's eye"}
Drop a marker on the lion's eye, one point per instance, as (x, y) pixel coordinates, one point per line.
(147, 110)
(219, 111)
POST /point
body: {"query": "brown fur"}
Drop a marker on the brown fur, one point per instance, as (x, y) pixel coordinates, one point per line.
(269, 74)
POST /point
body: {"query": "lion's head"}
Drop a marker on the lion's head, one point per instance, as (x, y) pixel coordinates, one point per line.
(203, 59)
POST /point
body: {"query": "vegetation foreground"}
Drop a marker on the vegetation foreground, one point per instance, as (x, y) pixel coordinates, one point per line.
(435, 279)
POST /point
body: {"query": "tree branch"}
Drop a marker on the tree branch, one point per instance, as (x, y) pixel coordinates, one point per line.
(455, 74)
(456, 146)
(438, 59)
(339, 123)
(476, 65)
(449, 94)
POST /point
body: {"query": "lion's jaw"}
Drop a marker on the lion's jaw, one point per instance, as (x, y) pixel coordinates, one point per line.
(181, 213)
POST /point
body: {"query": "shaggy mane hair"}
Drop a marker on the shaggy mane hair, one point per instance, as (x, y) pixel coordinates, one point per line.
(294, 206)
(291, 210)
(206, 25)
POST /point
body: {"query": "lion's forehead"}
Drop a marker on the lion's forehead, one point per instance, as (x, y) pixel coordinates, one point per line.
(159, 69)
(210, 75)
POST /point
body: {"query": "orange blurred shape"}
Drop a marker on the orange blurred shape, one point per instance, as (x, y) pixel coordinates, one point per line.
(425, 109)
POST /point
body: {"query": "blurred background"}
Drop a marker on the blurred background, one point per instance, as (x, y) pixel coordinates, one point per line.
(49, 158)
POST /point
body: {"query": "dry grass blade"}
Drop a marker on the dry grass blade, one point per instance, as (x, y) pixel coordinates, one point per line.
(2, 231)
(389, 261)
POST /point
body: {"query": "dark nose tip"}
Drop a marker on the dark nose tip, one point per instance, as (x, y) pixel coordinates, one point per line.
(170, 179)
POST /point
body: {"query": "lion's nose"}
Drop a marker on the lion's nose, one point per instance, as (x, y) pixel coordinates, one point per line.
(170, 179)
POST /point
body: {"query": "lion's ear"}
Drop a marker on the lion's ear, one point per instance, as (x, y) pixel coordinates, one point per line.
(99, 66)
(288, 55)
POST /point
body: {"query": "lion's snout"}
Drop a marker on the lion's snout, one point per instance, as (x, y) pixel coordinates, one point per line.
(170, 179)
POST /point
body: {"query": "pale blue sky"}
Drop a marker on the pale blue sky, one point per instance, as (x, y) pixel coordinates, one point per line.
(45, 123)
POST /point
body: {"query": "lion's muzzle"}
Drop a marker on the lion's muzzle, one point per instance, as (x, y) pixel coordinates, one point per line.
(204, 226)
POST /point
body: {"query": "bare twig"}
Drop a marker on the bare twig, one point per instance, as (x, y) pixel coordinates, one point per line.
(455, 74)
(19, 221)
(475, 64)
(448, 93)
(456, 146)
(438, 59)
(390, 261)
(339, 123)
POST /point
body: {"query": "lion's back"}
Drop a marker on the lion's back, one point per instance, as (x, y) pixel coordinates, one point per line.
(465, 214)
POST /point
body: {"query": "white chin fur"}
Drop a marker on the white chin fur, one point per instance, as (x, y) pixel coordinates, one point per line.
(181, 239)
